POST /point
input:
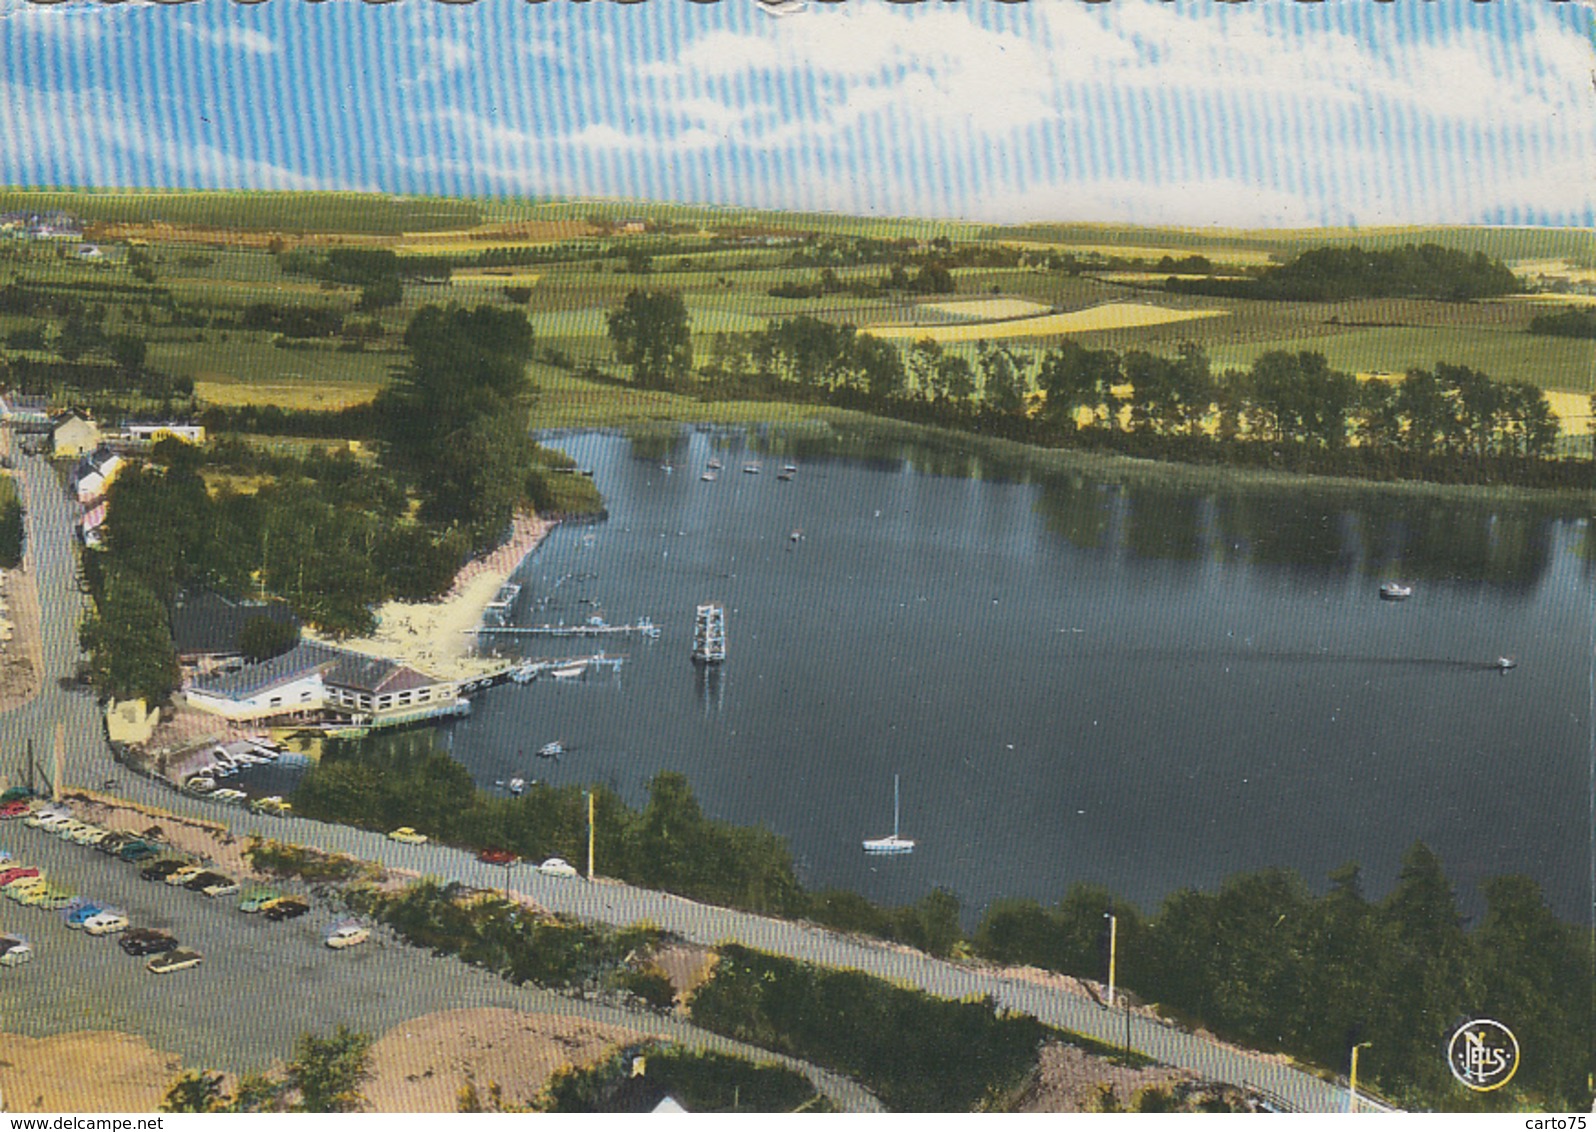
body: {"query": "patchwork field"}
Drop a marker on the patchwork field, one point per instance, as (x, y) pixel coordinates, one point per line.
(1109, 316)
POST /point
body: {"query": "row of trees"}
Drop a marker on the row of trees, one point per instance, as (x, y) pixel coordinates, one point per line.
(1284, 397)
(1571, 322)
(325, 1074)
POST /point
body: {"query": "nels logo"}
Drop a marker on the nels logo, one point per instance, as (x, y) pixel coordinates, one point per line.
(1483, 1054)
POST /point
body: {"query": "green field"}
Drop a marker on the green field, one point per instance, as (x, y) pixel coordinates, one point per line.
(1562, 364)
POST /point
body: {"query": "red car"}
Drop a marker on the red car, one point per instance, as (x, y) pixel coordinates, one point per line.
(497, 857)
(17, 873)
(13, 810)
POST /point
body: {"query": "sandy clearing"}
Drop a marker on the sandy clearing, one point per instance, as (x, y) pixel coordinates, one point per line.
(435, 636)
(1069, 1079)
(193, 837)
(297, 395)
(421, 1065)
(1108, 316)
(497, 278)
(85, 1071)
(987, 309)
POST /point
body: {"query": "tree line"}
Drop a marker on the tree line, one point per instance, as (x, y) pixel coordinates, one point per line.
(1335, 274)
(1262, 961)
(1288, 410)
(1572, 322)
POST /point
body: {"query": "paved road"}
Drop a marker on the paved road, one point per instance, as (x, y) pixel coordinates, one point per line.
(50, 517)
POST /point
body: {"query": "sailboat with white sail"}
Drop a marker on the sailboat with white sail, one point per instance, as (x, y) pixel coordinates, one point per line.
(897, 843)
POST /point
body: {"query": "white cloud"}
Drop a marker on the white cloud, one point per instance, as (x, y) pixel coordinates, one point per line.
(234, 38)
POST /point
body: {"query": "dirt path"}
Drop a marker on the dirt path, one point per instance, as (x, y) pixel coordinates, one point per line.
(22, 657)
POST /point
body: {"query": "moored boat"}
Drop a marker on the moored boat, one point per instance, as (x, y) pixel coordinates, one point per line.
(896, 842)
(1394, 591)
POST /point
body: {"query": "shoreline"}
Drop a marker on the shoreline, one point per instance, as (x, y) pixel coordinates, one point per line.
(435, 636)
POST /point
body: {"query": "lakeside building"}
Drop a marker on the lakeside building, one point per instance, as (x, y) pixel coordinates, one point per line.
(313, 678)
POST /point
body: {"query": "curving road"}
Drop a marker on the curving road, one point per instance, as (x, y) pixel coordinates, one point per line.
(52, 555)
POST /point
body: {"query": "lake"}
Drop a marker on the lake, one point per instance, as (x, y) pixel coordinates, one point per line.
(1145, 683)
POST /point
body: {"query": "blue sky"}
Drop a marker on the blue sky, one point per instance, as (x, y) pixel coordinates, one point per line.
(1268, 113)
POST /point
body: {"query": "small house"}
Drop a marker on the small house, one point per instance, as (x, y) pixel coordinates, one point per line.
(73, 433)
(149, 433)
(93, 474)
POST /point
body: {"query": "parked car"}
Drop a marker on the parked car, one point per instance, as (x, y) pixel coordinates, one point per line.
(163, 867)
(48, 896)
(200, 881)
(175, 960)
(200, 784)
(139, 851)
(275, 806)
(106, 923)
(497, 857)
(288, 908)
(93, 837)
(113, 842)
(12, 810)
(347, 934)
(19, 890)
(14, 950)
(46, 817)
(408, 836)
(83, 911)
(146, 941)
(14, 794)
(557, 867)
(255, 899)
(226, 886)
(65, 829)
(15, 873)
(230, 797)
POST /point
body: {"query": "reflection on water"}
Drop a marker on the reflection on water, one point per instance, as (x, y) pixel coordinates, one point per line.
(1145, 681)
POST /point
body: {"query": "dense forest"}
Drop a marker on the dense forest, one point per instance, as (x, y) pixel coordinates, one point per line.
(1263, 961)
(1332, 274)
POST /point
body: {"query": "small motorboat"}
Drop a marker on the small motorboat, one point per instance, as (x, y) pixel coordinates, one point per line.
(569, 672)
(1503, 663)
(708, 477)
(1394, 591)
(517, 786)
(796, 536)
(788, 472)
(551, 750)
(751, 469)
(715, 465)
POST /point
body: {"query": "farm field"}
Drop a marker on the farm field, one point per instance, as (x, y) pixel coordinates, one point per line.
(1109, 316)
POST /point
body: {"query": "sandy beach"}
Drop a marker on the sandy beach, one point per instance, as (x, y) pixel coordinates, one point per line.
(434, 636)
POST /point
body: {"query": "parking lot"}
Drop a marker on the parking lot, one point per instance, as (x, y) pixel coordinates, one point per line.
(260, 986)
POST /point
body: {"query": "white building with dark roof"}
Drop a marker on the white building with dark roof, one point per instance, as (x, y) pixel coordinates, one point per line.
(313, 677)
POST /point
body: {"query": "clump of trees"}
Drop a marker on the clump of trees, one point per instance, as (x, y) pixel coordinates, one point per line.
(916, 1052)
(325, 1074)
(651, 334)
(1572, 322)
(1332, 274)
(704, 1080)
(1267, 963)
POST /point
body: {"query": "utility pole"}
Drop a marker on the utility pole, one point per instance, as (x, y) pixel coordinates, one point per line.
(60, 756)
(590, 834)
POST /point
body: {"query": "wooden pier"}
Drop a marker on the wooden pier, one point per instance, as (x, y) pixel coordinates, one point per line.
(594, 628)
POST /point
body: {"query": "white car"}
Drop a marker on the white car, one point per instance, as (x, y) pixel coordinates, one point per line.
(46, 817)
(106, 923)
(227, 886)
(229, 797)
(65, 829)
(92, 837)
(347, 935)
(557, 867)
(14, 951)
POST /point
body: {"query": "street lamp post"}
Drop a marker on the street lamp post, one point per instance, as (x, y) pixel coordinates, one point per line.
(1352, 1077)
(1113, 947)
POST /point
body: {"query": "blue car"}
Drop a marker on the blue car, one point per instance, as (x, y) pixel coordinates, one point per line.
(75, 917)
